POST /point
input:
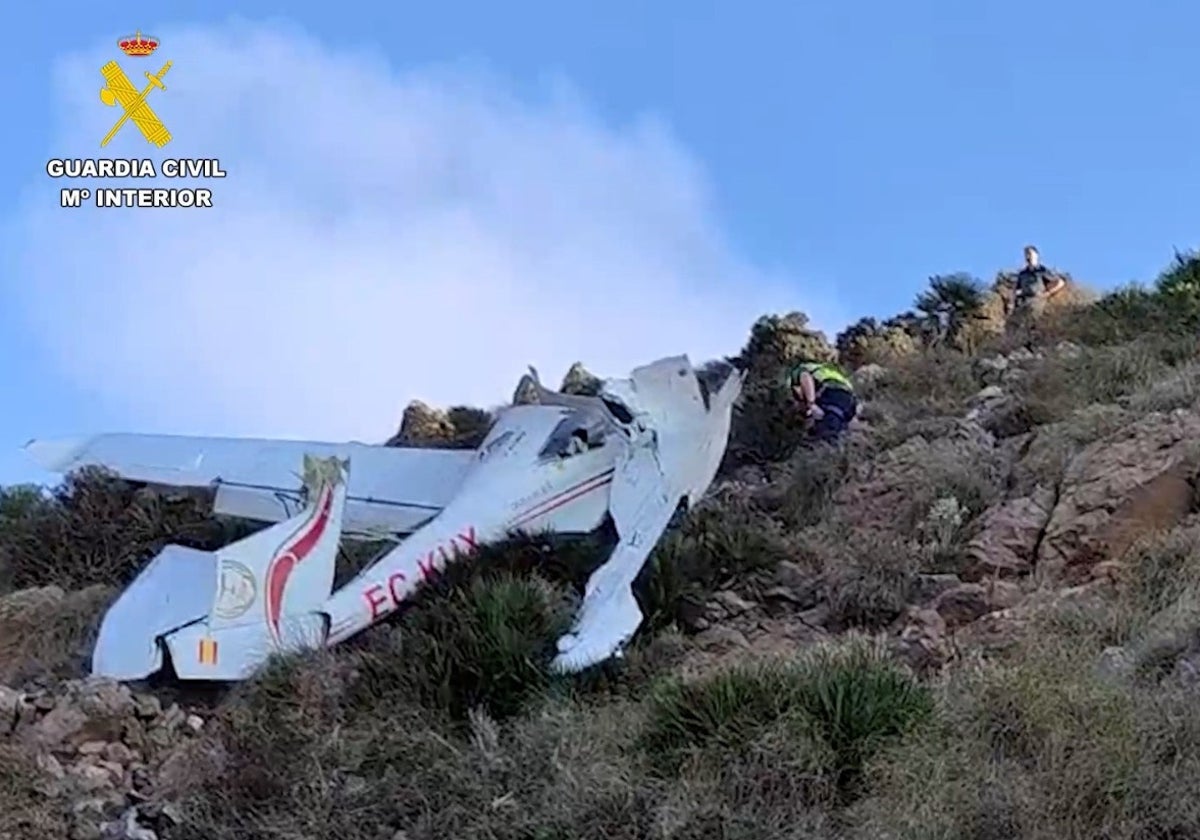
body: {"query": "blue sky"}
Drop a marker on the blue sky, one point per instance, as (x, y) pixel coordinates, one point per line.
(837, 155)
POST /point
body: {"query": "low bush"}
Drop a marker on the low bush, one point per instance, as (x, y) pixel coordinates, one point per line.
(309, 751)
(1169, 307)
(841, 704)
(1061, 385)
(488, 645)
(868, 577)
(815, 474)
(723, 543)
(767, 425)
(97, 529)
(935, 383)
(1041, 747)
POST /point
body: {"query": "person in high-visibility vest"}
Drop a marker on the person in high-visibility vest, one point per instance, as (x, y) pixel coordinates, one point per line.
(827, 396)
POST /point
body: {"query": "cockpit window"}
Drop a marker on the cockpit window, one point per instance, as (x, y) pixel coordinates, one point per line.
(618, 410)
(576, 433)
(493, 446)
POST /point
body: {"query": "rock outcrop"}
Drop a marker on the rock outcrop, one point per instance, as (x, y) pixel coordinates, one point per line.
(1008, 536)
(459, 427)
(579, 380)
(884, 490)
(1119, 489)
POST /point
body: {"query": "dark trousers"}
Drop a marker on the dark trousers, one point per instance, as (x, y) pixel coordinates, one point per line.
(840, 407)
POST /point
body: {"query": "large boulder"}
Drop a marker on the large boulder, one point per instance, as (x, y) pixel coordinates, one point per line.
(580, 381)
(1006, 542)
(1119, 489)
(967, 602)
(460, 427)
(422, 425)
(986, 323)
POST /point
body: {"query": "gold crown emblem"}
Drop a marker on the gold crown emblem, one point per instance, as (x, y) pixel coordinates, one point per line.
(138, 45)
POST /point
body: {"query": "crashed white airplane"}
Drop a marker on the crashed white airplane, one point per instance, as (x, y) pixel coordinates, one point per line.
(642, 449)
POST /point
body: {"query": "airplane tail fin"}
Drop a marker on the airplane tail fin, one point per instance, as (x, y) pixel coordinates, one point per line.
(262, 594)
(287, 568)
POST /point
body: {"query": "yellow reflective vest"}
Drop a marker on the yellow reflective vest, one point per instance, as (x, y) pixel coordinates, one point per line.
(826, 376)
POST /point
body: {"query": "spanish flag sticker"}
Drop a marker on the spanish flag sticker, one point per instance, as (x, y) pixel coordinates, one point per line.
(208, 652)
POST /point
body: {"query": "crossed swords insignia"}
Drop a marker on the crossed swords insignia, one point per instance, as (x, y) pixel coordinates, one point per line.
(120, 90)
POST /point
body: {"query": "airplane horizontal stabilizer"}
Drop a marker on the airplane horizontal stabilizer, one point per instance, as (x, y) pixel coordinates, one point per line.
(175, 589)
(222, 614)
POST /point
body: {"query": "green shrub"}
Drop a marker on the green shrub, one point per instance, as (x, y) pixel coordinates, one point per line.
(815, 474)
(766, 426)
(868, 577)
(934, 383)
(728, 710)
(951, 302)
(1168, 308)
(843, 702)
(481, 633)
(723, 543)
(97, 529)
(486, 644)
(1163, 568)
(563, 559)
(859, 700)
(1041, 747)
(470, 425)
(1179, 283)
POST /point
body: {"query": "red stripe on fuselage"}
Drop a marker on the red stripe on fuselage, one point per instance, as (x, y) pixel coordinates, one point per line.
(569, 495)
(281, 566)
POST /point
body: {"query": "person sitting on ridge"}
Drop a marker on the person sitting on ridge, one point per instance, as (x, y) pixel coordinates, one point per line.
(827, 396)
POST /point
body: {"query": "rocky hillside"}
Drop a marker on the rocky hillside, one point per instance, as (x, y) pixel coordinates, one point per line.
(979, 617)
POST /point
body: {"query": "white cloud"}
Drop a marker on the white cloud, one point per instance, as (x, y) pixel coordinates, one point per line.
(381, 236)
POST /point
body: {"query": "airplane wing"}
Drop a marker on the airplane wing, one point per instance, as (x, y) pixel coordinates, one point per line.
(391, 490)
(119, 84)
(150, 125)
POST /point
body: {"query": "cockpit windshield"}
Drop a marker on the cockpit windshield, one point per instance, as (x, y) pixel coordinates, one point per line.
(578, 432)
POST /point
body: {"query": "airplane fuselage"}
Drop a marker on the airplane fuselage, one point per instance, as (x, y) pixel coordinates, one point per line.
(515, 486)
